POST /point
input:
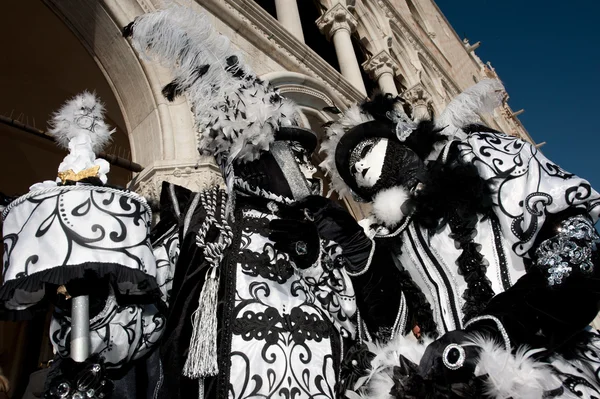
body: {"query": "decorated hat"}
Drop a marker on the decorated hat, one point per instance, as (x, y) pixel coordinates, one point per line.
(408, 143)
(237, 115)
(76, 226)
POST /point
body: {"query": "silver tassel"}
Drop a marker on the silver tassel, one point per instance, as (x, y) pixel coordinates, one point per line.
(202, 357)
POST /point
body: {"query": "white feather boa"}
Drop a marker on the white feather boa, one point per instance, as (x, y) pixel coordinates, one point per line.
(387, 205)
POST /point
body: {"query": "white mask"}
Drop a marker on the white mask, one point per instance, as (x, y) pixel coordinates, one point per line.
(369, 164)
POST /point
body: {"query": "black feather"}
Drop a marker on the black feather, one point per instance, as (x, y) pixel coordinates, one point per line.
(424, 138)
(451, 189)
(233, 67)
(172, 90)
(128, 30)
(380, 104)
(332, 110)
(201, 71)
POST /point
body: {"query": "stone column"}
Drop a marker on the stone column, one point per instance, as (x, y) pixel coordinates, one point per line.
(289, 17)
(382, 68)
(420, 100)
(338, 23)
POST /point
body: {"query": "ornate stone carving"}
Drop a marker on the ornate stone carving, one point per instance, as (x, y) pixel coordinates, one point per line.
(248, 13)
(416, 43)
(380, 64)
(419, 100)
(195, 176)
(336, 18)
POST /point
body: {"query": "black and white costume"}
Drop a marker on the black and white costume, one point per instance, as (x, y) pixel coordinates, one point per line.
(492, 250)
(260, 305)
(76, 236)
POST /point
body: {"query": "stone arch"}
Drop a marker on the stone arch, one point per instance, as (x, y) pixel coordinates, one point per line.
(447, 92)
(403, 53)
(370, 30)
(432, 83)
(417, 14)
(136, 84)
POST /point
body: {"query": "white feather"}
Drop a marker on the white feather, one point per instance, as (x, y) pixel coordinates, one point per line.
(66, 123)
(512, 376)
(387, 205)
(243, 111)
(468, 107)
(352, 117)
(379, 380)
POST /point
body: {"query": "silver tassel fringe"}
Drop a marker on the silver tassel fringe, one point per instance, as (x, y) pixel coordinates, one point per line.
(202, 357)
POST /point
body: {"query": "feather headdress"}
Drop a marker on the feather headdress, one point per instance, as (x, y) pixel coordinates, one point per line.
(427, 136)
(83, 114)
(236, 114)
(236, 117)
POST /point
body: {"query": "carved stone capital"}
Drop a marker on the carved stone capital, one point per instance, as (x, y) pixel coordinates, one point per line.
(419, 100)
(336, 18)
(195, 175)
(380, 64)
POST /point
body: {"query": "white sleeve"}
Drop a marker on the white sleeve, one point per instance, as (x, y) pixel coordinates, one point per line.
(527, 186)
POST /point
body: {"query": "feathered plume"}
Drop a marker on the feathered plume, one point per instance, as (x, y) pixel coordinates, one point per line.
(236, 114)
(78, 126)
(82, 115)
(517, 375)
(468, 107)
(352, 117)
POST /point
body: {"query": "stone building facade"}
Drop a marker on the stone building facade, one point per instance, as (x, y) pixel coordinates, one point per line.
(320, 53)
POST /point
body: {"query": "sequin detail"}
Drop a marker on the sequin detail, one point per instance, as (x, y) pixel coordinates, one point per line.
(570, 251)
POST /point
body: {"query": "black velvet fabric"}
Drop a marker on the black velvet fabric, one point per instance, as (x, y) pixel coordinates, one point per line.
(378, 294)
(542, 316)
(334, 223)
(188, 280)
(264, 173)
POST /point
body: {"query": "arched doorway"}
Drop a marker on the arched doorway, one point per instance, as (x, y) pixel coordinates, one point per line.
(54, 50)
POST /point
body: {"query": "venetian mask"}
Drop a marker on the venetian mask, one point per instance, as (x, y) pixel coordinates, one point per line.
(366, 161)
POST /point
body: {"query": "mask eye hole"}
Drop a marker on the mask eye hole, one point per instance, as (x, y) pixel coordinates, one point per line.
(367, 148)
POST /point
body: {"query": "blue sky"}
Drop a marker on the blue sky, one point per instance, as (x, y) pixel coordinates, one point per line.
(547, 53)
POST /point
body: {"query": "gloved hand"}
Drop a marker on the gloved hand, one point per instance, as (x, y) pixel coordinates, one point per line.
(448, 360)
(69, 379)
(298, 238)
(334, 223)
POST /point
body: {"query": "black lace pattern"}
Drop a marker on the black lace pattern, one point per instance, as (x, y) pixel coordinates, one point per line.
(528, 185)
(50, 235)
(284, 323)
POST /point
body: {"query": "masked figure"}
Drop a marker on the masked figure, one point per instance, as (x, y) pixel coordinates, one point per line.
(260, 305)
(487, 251)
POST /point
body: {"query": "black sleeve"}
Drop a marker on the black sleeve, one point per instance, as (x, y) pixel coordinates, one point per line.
(543, 312)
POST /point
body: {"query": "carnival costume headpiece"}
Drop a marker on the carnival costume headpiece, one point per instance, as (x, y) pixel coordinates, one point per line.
(409, 145)
(237, 115)
(62, 228)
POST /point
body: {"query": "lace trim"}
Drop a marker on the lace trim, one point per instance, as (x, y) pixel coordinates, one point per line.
(471, 265)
